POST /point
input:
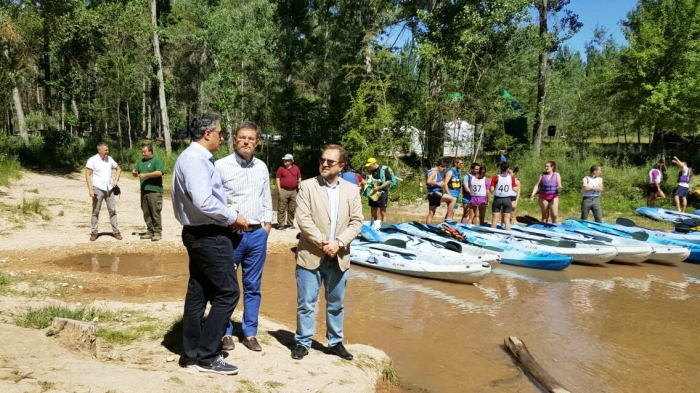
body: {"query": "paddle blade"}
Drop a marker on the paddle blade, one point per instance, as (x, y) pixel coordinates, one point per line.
(641, 236)
(625, 222)
(523, 220)
(548, 242)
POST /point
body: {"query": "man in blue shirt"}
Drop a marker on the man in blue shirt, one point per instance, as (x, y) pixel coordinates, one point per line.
(199, 204)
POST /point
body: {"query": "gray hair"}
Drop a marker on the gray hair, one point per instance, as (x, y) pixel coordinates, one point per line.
(202, 123)
(101, 145)
(248, 125)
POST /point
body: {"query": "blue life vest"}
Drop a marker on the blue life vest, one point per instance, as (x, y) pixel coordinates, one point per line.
(438, 178)
(350, 176)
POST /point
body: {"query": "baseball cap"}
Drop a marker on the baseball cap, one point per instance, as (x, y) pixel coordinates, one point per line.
(370, 161)
(288, 157)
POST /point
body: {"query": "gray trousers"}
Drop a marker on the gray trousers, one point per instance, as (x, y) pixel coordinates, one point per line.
(111, 207)
(591, 203)
(286, 207)
(152, 205)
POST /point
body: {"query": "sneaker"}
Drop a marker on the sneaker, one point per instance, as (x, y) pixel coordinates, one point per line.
(146, 236)
(93, 237)
(117, 236)
(280, 227)
(291, 227)
(218, 366)
(155, 238)
(227, 343)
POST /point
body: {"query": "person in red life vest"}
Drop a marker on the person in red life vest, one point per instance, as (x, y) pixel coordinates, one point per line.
(548, 187)
(502, 186)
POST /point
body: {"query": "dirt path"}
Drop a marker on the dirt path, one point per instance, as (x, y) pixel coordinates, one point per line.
(31, 361)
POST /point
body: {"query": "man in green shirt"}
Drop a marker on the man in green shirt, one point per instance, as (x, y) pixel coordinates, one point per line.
(150, 171)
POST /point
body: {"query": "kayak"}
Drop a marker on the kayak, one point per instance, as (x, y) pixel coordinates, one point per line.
(426, 250)
(684, 237)
(511, 254)
(401, 261)
(659, 214)
(478, 253)
(628, 250)
(578, 251)
(666, 250)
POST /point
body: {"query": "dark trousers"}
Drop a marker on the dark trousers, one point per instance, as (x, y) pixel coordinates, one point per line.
(212, 279)
(151, 205)
(591, 204)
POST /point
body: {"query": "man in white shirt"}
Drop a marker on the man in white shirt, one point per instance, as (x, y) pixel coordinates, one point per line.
(98, 176)
(246, 182)
(680, 195)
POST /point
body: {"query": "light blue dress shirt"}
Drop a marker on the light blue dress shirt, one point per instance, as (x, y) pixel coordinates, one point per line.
(247, 187)
(333, 200)
(198, 195)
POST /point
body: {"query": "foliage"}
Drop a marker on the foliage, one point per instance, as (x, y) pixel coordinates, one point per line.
(41, 317)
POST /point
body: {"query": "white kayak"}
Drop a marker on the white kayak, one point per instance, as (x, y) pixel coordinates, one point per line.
(401, 261)
(628, 250)
(592, 254)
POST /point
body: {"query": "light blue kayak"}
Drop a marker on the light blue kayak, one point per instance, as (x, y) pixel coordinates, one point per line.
(676, 250)
(512, 254)
(659, 214)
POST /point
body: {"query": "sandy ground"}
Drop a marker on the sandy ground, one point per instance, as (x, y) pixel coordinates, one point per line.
(32, 362)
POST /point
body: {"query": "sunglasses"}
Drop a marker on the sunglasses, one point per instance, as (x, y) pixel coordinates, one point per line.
(328, 162)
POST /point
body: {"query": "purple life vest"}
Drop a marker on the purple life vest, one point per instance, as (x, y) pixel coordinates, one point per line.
(549, 186)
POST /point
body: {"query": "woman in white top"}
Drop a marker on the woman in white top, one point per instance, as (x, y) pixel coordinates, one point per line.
(591, 189)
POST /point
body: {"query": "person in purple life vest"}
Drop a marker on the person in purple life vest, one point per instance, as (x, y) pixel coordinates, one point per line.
(501, 187)
(548, 187)
(680, 196)
(656, 176)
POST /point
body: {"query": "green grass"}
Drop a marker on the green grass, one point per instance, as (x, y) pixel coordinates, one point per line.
(114, 336)
(10, 169)
(41, 317)
(4, 280)
(34, 206)
(33, 191)
(390, 376)
(46, 385)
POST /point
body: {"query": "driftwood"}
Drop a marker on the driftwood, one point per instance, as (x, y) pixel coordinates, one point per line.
(530, 365)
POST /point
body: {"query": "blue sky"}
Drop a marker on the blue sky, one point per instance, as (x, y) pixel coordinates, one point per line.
(605, 13)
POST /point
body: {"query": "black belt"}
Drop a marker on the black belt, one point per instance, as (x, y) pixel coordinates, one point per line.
(252, 227)
(289, 189)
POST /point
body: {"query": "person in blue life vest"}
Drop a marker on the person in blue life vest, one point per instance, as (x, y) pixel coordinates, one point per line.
(453, 180)
(680, 195)
(467, 213)
(438, 192)
(590, 189)
(502, 156)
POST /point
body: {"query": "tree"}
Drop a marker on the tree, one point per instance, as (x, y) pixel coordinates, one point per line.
(165, 121)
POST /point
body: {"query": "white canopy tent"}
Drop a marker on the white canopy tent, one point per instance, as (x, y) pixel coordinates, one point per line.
(459, 139)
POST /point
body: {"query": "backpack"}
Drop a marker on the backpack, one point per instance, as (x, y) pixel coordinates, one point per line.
(383, 177)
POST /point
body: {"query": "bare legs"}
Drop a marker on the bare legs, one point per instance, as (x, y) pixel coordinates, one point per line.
(549, 209)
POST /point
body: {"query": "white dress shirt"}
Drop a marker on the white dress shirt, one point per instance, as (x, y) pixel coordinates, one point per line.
(101, 171)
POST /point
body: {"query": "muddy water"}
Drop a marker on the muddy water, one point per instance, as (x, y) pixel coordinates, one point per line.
(596, 329)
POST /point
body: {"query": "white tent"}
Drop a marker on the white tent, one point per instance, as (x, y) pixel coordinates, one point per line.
(459, 141)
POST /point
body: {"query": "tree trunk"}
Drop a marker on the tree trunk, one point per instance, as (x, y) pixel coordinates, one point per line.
(148, 119)
(143, 108)
(63, 115)
(436, 128)
(19, 112)
(119, 122)
(161, 86)
(74, 108)
(229, 129)
(128, 124)
(541, 78)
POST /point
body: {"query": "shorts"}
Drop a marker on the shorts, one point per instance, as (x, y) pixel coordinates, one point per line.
(653, 188)
(434, 199)
(381, 202)
(478, 201)
(548, 197)
(502, 202)
(681, 191)
(513, 198)
(455, 193)
(466, 201)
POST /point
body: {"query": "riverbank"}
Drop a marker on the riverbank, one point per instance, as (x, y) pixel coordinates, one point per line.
(45, 218)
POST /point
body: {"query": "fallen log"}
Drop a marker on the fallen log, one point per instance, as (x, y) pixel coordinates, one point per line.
(530, 365)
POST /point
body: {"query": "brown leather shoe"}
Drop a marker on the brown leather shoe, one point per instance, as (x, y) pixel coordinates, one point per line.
(252, 344)
(93, 237)
(227, 343)
(117, 236)
(146, 236)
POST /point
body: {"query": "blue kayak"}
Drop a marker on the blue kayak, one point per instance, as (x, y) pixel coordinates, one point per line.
(659, 214)
(684, 251)
(511, 254)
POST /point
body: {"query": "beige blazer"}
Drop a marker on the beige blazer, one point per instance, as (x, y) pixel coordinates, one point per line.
(314, 221)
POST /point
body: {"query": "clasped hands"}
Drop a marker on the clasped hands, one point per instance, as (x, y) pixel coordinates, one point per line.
(331, 247)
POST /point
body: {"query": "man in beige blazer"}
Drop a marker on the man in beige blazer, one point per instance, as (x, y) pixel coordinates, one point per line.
(329, 216)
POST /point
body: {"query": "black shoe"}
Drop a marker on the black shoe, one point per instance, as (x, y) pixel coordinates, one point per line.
(218, 366)
(280, 227)
(299, 352)
(340, 350)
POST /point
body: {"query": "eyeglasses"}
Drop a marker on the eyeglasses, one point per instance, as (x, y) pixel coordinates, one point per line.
(328, 162)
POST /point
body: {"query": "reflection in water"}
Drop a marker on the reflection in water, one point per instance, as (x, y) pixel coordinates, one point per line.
(593, 328)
